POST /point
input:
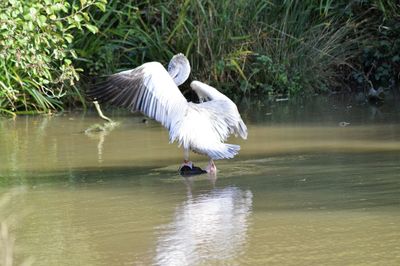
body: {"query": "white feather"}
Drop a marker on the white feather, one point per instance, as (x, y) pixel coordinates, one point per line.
(226, 110)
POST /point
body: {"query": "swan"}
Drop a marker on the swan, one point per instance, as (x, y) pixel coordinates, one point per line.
(153, 90)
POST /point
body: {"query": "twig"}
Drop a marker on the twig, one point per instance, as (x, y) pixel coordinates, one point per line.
(97, 105)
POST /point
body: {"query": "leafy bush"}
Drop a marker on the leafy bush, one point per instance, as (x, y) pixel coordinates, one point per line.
(35, 56)
(379, 62)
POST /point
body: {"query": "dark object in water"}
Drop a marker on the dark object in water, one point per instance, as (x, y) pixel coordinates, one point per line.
(376, 96)
(187, 171)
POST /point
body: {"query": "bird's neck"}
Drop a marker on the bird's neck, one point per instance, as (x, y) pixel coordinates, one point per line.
(179, 74)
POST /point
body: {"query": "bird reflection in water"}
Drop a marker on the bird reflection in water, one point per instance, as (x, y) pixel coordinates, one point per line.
(208, 227)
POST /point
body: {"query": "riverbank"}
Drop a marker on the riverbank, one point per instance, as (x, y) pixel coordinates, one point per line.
(244, 49)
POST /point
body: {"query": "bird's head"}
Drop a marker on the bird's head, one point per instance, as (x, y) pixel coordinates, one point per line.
(179, 68)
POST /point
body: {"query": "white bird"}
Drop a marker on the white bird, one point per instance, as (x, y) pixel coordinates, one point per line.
(201, 127)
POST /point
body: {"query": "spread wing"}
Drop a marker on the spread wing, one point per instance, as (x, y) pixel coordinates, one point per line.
(224, 115)
(148, 89)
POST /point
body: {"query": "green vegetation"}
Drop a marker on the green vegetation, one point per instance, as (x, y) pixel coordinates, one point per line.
(250, 48)
(36, 59)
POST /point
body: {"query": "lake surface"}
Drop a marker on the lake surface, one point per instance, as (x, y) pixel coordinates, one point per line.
(306, 189)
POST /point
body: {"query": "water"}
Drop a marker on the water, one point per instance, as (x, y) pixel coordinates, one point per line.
(304, 190)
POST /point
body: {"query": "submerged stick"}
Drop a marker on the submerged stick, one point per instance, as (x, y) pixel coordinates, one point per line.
(100, 131)
(97, 105)
(108, 126)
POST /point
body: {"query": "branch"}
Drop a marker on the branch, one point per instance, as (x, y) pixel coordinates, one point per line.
(97, 105)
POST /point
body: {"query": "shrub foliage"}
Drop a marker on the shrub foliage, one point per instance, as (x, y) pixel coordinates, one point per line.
(36, 61)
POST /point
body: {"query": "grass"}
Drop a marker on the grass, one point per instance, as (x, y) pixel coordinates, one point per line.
(21, 93)
(243, 48)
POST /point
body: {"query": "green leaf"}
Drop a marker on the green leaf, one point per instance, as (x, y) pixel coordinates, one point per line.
(101, 6)
(93, 29)
(42, 20)
(73, 53)
(78, 17)
(69, 38)
(86, 16)
(33, 11)
(30, 25)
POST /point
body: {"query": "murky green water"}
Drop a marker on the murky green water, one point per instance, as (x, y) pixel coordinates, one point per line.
(303, 191)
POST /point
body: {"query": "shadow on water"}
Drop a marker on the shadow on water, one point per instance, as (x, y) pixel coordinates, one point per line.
(78, 176)
(321, 110)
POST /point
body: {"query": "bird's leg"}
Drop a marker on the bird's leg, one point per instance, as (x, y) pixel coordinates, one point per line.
(211, 168)
(186, 161)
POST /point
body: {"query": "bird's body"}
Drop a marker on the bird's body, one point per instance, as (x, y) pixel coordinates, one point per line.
(153, 90)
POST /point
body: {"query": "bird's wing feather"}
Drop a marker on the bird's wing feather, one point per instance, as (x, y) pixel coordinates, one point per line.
(148, 89)
(224, 111)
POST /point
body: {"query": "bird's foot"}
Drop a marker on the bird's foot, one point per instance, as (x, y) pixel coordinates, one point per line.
(211, 168)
